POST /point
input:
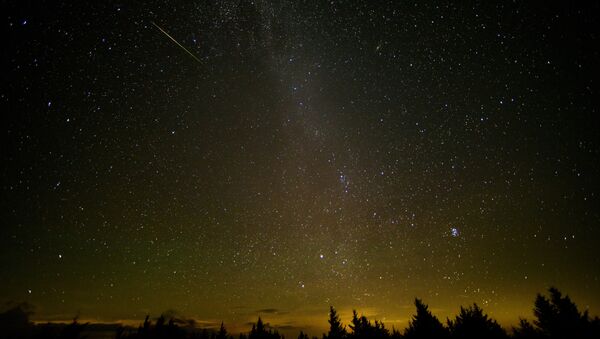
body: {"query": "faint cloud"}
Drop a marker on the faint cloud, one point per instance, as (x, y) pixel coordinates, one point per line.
(208, 324)
(287, 327)
(181, 319)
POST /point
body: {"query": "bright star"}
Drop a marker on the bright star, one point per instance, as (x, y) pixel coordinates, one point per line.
(454, 232)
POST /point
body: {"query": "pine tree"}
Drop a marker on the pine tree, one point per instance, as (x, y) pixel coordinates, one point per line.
(363, 329)
(473, 323)
(424, 324)
(526, 330)
(222, 334)
(336, 329)
(558, 317)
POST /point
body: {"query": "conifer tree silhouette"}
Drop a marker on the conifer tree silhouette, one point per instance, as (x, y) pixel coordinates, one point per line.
(356, 326)
(424, 324)
(144, 330)
(336, 329)
(471, 322)
(526, 330)
(222, 334)
(363, 329)
(259, 331)
(555, 317)
(395, 334)
(379, 331)
(558, 317)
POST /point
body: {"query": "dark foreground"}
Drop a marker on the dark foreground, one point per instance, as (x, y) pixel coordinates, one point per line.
(555, 316)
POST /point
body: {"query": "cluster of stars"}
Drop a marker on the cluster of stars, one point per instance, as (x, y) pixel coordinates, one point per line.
(296, 156)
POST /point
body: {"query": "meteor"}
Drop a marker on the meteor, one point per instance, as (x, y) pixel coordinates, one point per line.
(175, 41)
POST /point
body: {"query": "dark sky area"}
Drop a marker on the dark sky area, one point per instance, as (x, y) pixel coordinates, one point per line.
(225, 159)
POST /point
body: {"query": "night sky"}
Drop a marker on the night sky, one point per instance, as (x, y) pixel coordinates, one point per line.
(225, 159)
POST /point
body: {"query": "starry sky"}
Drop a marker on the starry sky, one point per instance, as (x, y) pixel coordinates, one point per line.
(221, 160)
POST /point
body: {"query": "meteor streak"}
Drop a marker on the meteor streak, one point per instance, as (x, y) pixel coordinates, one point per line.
(175, 41)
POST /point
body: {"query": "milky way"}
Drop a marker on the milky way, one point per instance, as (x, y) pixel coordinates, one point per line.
(346, 153)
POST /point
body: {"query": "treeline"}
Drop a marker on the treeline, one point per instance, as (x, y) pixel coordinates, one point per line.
(555, 316)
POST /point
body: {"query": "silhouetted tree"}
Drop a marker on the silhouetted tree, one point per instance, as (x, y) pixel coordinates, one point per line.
(159, 330)
(473, 323)
(380, 331)
(395, 334)
(356, 325)
(594, 327)
(73, 330)
(173, 331)
(558, 317)
(336, 329)
(222, 332)
(424, 324)
(363, 329)
(144, 329)
(14, 322)
(526, 330)
(159, 327)
(259, 331)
